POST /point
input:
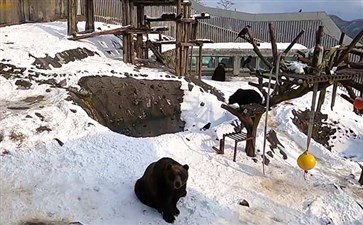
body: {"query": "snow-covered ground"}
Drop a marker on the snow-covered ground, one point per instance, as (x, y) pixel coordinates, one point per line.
(90, 178)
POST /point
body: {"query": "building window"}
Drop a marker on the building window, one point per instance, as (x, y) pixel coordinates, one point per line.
(248, 63)
(208, 62)
(263, 66)
(226, 60)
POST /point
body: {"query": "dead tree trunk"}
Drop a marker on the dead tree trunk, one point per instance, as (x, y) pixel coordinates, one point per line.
(250, 121)
(251, 124)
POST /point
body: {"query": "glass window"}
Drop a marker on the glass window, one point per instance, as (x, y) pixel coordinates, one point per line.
(194, 61)
(208, 62)
(248, 62)
(263, 66)
(226, 60)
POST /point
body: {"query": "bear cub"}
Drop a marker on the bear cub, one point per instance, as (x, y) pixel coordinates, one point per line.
(244, 97)
(162, 185)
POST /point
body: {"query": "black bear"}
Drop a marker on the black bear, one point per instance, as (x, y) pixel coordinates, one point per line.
(219, 73)
(162, 185)
(244, 97)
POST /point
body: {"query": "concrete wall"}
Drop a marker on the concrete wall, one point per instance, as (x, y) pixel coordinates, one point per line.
(19, 11)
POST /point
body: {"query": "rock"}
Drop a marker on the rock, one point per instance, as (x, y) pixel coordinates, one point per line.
(1, 136)
(42, 129)
(202, 104)
(269, 153)
(40, 116)
(266, 161)
(190, 86)
(133, 107)
(322, 131)
(73, 110)
(23, 83)
(62, 83)
(5, 152)
(284, 156)
(244, 203)
(206, 127)
(59, 142)
(34, 99)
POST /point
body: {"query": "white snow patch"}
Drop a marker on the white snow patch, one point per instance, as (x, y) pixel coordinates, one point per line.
(90, 178)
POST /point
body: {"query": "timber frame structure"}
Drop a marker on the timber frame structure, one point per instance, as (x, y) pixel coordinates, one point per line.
(288, 85)
(135, 22)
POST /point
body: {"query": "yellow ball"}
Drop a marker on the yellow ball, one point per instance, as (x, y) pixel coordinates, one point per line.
(306, 161)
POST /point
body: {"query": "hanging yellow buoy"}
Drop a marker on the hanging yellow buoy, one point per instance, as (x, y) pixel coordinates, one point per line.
(306, 161)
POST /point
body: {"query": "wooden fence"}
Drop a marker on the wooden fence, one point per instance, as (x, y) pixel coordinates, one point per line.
(20, 11)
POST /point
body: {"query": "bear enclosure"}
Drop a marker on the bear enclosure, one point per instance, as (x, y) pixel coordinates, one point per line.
(286, 85)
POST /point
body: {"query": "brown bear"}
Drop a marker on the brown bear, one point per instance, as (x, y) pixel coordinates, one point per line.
(219, 73)
(244, 97)
(162, 185)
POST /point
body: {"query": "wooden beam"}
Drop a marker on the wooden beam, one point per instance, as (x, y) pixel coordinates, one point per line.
(120, 30)
(90, 16)
(294, 42)
(345, 53)
(356, 65)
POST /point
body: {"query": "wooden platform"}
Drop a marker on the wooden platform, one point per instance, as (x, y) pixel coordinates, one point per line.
(237, 137)
(246, 110)
(307, 79)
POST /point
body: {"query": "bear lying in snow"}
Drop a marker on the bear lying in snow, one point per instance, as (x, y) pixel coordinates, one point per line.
(162, 185)
(244, 97)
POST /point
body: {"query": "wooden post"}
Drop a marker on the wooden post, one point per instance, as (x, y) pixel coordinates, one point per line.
(125, 45)
(140, 23)
(72, 17)
(178, 40)
(335, 84)
(90, 16)
(273, 42)
(200, 61)
(317, 60)
(318, 50)
(191, 60)
(132, 22)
